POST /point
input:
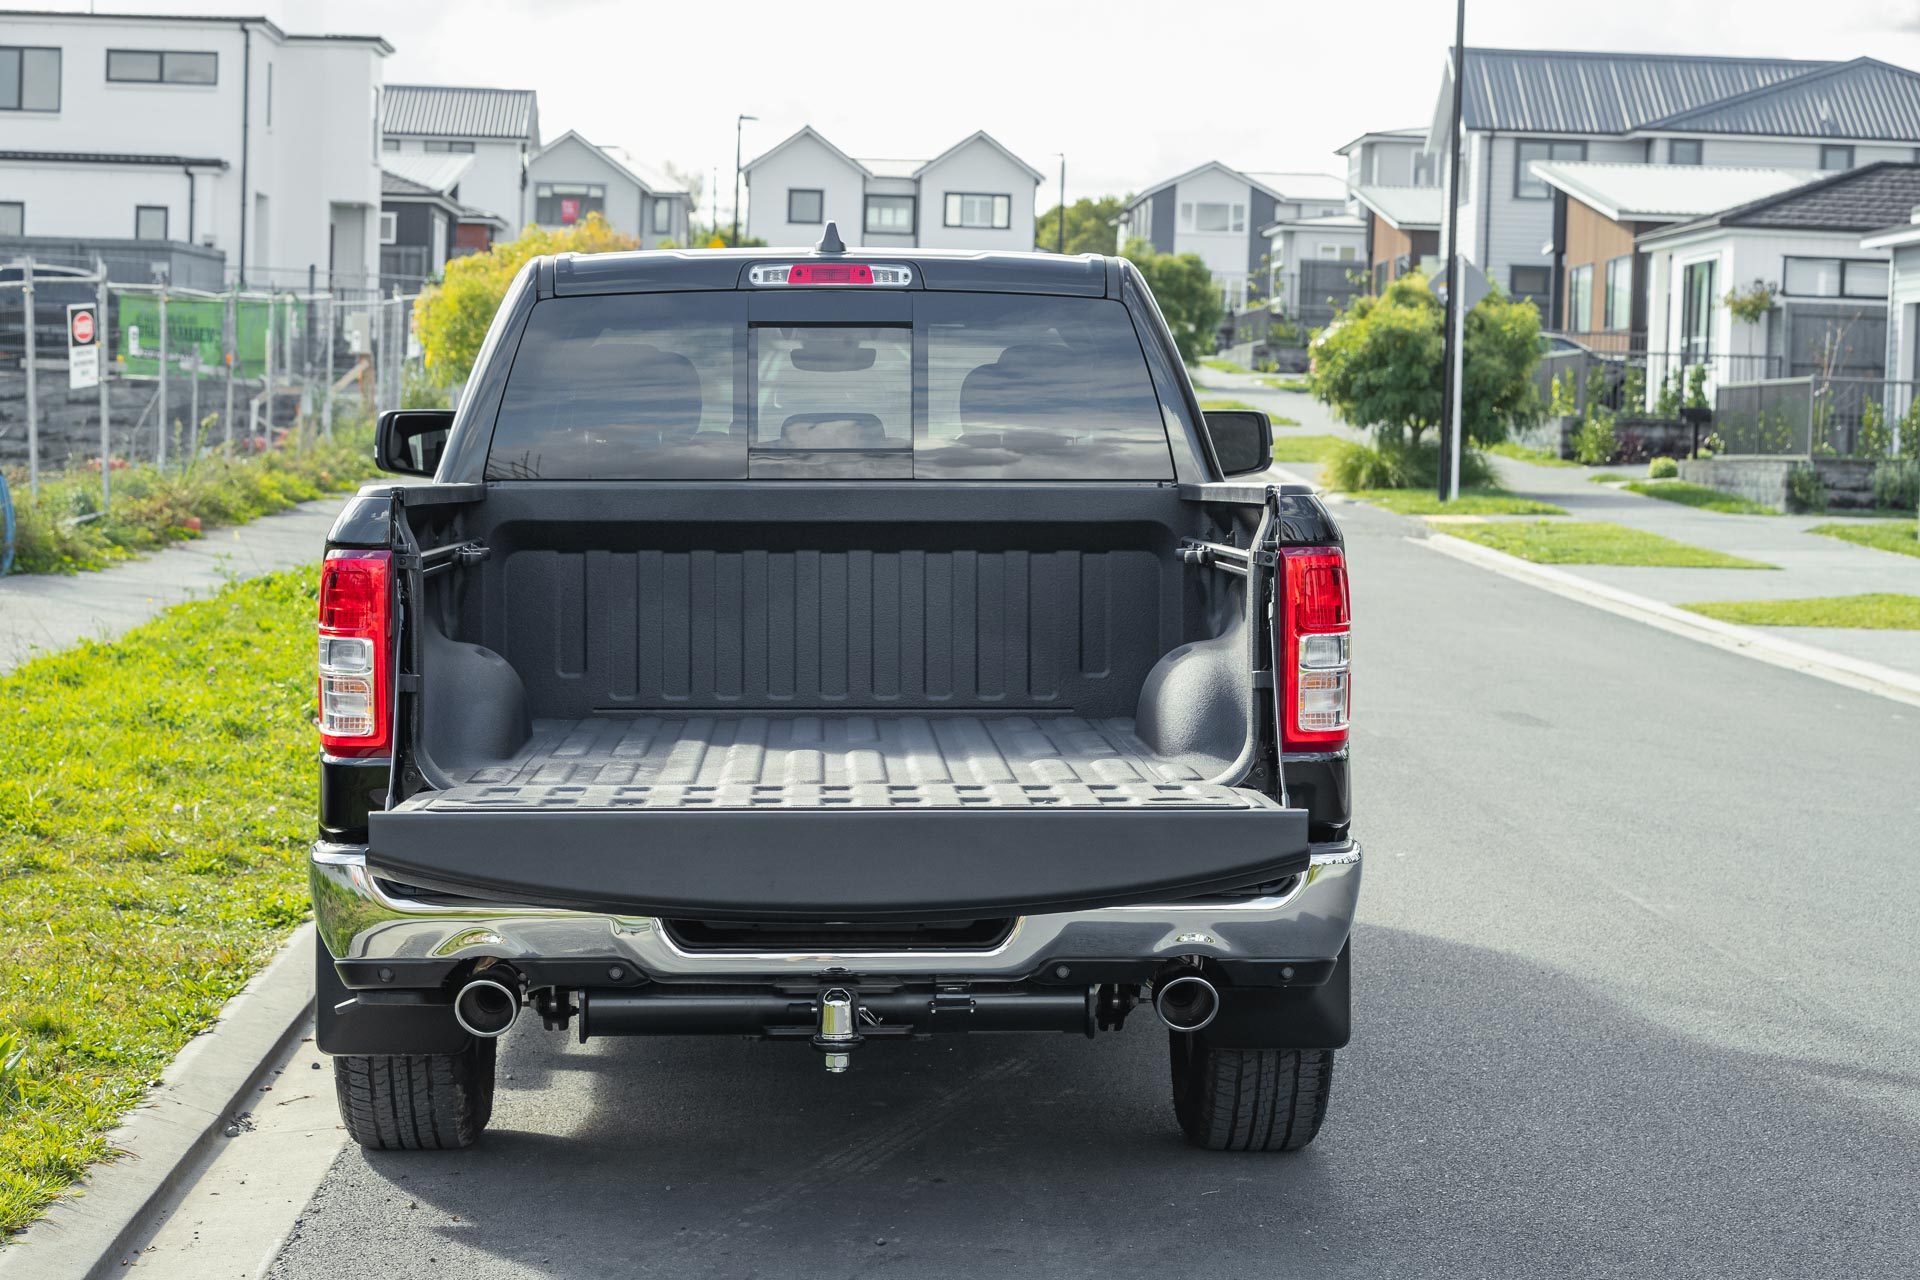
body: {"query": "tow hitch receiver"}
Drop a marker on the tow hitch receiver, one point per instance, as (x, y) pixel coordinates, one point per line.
(839, 1032)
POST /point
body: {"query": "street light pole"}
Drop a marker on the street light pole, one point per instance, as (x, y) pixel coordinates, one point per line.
(1450, 414)
(1063, 203)
(739, 122)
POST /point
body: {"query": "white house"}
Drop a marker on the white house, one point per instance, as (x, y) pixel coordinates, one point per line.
(1220, 213)
(499, 128)
(1308, 261)
(224, 133)
(974, 195)
(1524, 106)
(422, 220)
(1822, 293)
(1902, 241)
(570, 177)
(1390, 158)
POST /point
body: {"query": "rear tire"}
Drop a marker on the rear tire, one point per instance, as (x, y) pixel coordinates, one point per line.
(416, 1102)
(1248, 1099)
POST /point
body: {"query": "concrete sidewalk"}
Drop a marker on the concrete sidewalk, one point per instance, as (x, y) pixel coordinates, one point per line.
(1808, 564)
(43, 613)
(1313, 417)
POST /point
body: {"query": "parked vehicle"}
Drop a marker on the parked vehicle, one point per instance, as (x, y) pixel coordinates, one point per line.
(835, 648)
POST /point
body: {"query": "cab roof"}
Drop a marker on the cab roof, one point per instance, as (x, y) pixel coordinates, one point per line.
(1087, 275)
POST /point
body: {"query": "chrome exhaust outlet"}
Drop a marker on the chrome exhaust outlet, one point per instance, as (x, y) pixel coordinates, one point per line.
(839, 1028)
(486, 1008)
(1186, 1003)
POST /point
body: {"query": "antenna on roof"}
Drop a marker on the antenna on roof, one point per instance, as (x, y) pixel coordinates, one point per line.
(830, 241)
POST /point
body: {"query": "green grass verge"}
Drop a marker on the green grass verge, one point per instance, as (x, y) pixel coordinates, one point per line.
(1595, 542)
(1874, 612)
(1471, 502)
(61, 531)
(1522, 453)
(1608, 477)
(1285, 383)
(1898, 537)
(1278, 419)
(155, 809)
(1306, 448)
(1698, 495)
(1224, 366)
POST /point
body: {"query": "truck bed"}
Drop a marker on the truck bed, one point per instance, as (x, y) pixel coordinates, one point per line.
(807, 761)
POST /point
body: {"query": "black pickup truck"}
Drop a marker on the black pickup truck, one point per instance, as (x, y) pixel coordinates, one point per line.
(834, 647)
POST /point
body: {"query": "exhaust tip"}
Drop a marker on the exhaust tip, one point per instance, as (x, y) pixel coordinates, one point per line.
(1186, 1003)
(486, 1008)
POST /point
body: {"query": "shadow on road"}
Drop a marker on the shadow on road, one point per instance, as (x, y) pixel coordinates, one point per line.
(1493, 1117)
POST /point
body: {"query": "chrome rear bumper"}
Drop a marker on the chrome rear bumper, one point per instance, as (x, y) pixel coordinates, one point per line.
(360, 919)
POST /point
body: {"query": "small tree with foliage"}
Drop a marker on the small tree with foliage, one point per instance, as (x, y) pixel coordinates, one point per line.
(452, 317)
(1089, 225)
(1183, 285)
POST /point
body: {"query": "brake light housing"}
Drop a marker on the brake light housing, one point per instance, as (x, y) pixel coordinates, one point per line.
(1312, 644)
(831, 274)
(356, 695)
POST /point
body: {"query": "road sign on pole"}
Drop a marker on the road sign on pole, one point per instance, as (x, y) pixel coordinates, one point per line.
(83, 345)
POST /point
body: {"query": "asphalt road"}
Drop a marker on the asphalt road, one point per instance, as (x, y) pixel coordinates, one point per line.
(1637, 993)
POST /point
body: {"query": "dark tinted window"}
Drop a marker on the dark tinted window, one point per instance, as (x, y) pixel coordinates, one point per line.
(977, 387)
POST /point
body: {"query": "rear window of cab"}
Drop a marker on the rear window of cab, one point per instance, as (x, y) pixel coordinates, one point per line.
(950, 386)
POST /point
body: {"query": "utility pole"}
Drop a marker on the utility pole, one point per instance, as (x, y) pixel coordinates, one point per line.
(739, 122)
(33, 407)
(1450, 419)
(101, 329)
(1062, 245)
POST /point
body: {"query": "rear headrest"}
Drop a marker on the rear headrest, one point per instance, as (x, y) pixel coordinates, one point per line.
(993, 394)
(640, 385)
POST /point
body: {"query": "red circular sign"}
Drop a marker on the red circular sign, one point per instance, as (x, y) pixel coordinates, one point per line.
(83, 327)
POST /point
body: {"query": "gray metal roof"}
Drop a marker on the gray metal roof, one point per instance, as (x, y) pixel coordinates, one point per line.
(1857, 200)
(1864, 98)
(436, 171)
(443, 110)
(1408, 208)
(1549, 91)
(1628, 192)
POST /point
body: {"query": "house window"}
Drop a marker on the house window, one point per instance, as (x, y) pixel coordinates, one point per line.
(1348, 253)
(805, 204)
(1698, 299)
(389, 144)
(162, 66)
(1620, 292)
(1836, 157)
(150, 222)
(1213, 216)
(662, 216)
(13, 218)
(971, 209)
(389, 227)
(561, 204)
(1580, 298)
(1683, 151)
(1530, 284)
(1835, 278)
(1527, 150)
(890, 215)
(457, 145)
(1423, 168)
(29, 79)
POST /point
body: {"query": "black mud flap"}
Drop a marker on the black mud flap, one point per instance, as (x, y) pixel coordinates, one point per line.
(843, 864)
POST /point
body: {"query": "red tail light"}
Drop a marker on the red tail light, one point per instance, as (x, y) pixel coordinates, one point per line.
(356, 702)
(1312, 647)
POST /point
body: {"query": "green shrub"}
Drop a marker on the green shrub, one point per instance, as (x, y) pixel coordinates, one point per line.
(1662, 468)
(1595, 443)
(1896, 485)
(1396, 464)
(1806, 491)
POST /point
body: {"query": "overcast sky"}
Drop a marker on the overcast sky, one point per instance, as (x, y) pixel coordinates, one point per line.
(1132, 93)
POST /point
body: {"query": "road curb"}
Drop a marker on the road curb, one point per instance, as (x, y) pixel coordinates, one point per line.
(209, 1084)
(1867, 677)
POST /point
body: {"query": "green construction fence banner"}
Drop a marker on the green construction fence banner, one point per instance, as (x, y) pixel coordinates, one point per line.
(196, 331)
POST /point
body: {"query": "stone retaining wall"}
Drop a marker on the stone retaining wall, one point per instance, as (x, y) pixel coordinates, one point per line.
(1849, 481)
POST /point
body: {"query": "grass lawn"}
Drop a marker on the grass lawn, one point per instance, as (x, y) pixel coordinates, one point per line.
(1595, 542)
(152, 508)
(1293, 382)
(1698, 495)
(1472, 502)
(1521, 453)
(1306, 448)
(155, 809)
(1224, 366)
(1608, 477)
(1279, 419)
(1877, 612)
(1896, 536)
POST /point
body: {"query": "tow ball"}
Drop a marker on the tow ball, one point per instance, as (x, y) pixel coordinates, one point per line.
(838, 1034)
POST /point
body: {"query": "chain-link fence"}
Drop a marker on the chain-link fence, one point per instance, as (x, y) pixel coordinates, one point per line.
(185, 372)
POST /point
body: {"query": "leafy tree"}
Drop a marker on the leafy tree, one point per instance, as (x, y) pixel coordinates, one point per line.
(452, 317)
(1184, 287)
(1089, 225)
(704, 236)
(1382, 363)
